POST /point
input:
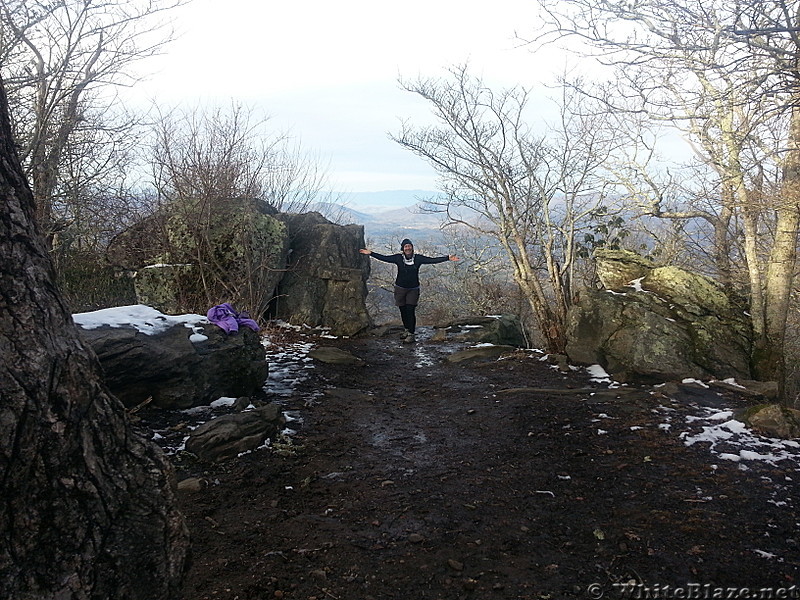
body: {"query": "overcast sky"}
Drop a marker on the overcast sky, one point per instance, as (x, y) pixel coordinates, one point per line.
(328, 70)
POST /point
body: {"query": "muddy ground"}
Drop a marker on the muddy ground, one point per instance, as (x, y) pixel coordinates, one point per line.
(414, 478)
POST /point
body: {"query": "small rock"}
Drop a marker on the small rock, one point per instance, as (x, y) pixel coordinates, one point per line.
(455, 565)
(241, 403)
(192, 484)
(415, 538)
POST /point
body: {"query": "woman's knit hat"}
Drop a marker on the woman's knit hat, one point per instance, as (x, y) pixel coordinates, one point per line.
(404, 242)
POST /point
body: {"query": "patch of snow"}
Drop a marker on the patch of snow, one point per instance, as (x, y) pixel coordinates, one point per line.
(732, 381)
(598, 374)
(733, 440)
(287, 368)
(144, 319)
(196, 410)
(636, 284)
(162, 265)
(223, 401)
(697, 381)
(423, 357)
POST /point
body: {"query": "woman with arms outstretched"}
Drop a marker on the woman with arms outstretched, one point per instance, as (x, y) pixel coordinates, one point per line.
(406, 285)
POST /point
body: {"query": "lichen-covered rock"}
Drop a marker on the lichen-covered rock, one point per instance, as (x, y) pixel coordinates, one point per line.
(616, 268)
(669, 324)
(325, 281)
(692, 292)
(298, 267)
(191, 255)
(161, 286)
(773, 420)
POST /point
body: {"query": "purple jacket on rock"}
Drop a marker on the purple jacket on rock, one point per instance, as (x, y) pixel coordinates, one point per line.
(228, 319)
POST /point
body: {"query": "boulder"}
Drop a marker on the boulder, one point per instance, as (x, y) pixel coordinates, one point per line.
(301, 268)
(773, 420)
(228, 436)
(325, 280)
(666, 323)
(503, 330)
(176, 372)
(242, 247)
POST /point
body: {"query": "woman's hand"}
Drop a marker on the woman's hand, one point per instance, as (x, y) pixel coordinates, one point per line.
(452, 257)
(365, 251)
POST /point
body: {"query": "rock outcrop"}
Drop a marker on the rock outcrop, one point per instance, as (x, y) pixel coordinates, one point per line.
(325, 279)
(665, 323)
(237, 242)
(305, 268)
(230, 435)
(175, 371)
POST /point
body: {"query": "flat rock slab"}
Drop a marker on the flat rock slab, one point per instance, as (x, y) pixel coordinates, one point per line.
(228, 436)
(334, 356)
(480, 352)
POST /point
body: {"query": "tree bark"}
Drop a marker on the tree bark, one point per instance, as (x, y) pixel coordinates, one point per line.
(87, 507)
(769, 359)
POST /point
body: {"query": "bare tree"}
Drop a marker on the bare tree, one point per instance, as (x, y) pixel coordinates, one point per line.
(62, 61)
(533, 195)
(87, 509)
(219, 167)
(720, 72)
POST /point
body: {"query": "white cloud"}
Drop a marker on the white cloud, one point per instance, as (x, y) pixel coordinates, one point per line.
(328, 70)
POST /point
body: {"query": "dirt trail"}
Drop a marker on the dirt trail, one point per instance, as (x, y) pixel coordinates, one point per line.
(416, 478)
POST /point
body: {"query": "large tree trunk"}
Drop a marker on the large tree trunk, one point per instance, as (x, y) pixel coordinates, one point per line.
(87, 508)
(769, 360)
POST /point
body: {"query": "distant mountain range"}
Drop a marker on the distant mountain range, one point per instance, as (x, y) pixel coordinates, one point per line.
(372, 202)
(387, 215)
